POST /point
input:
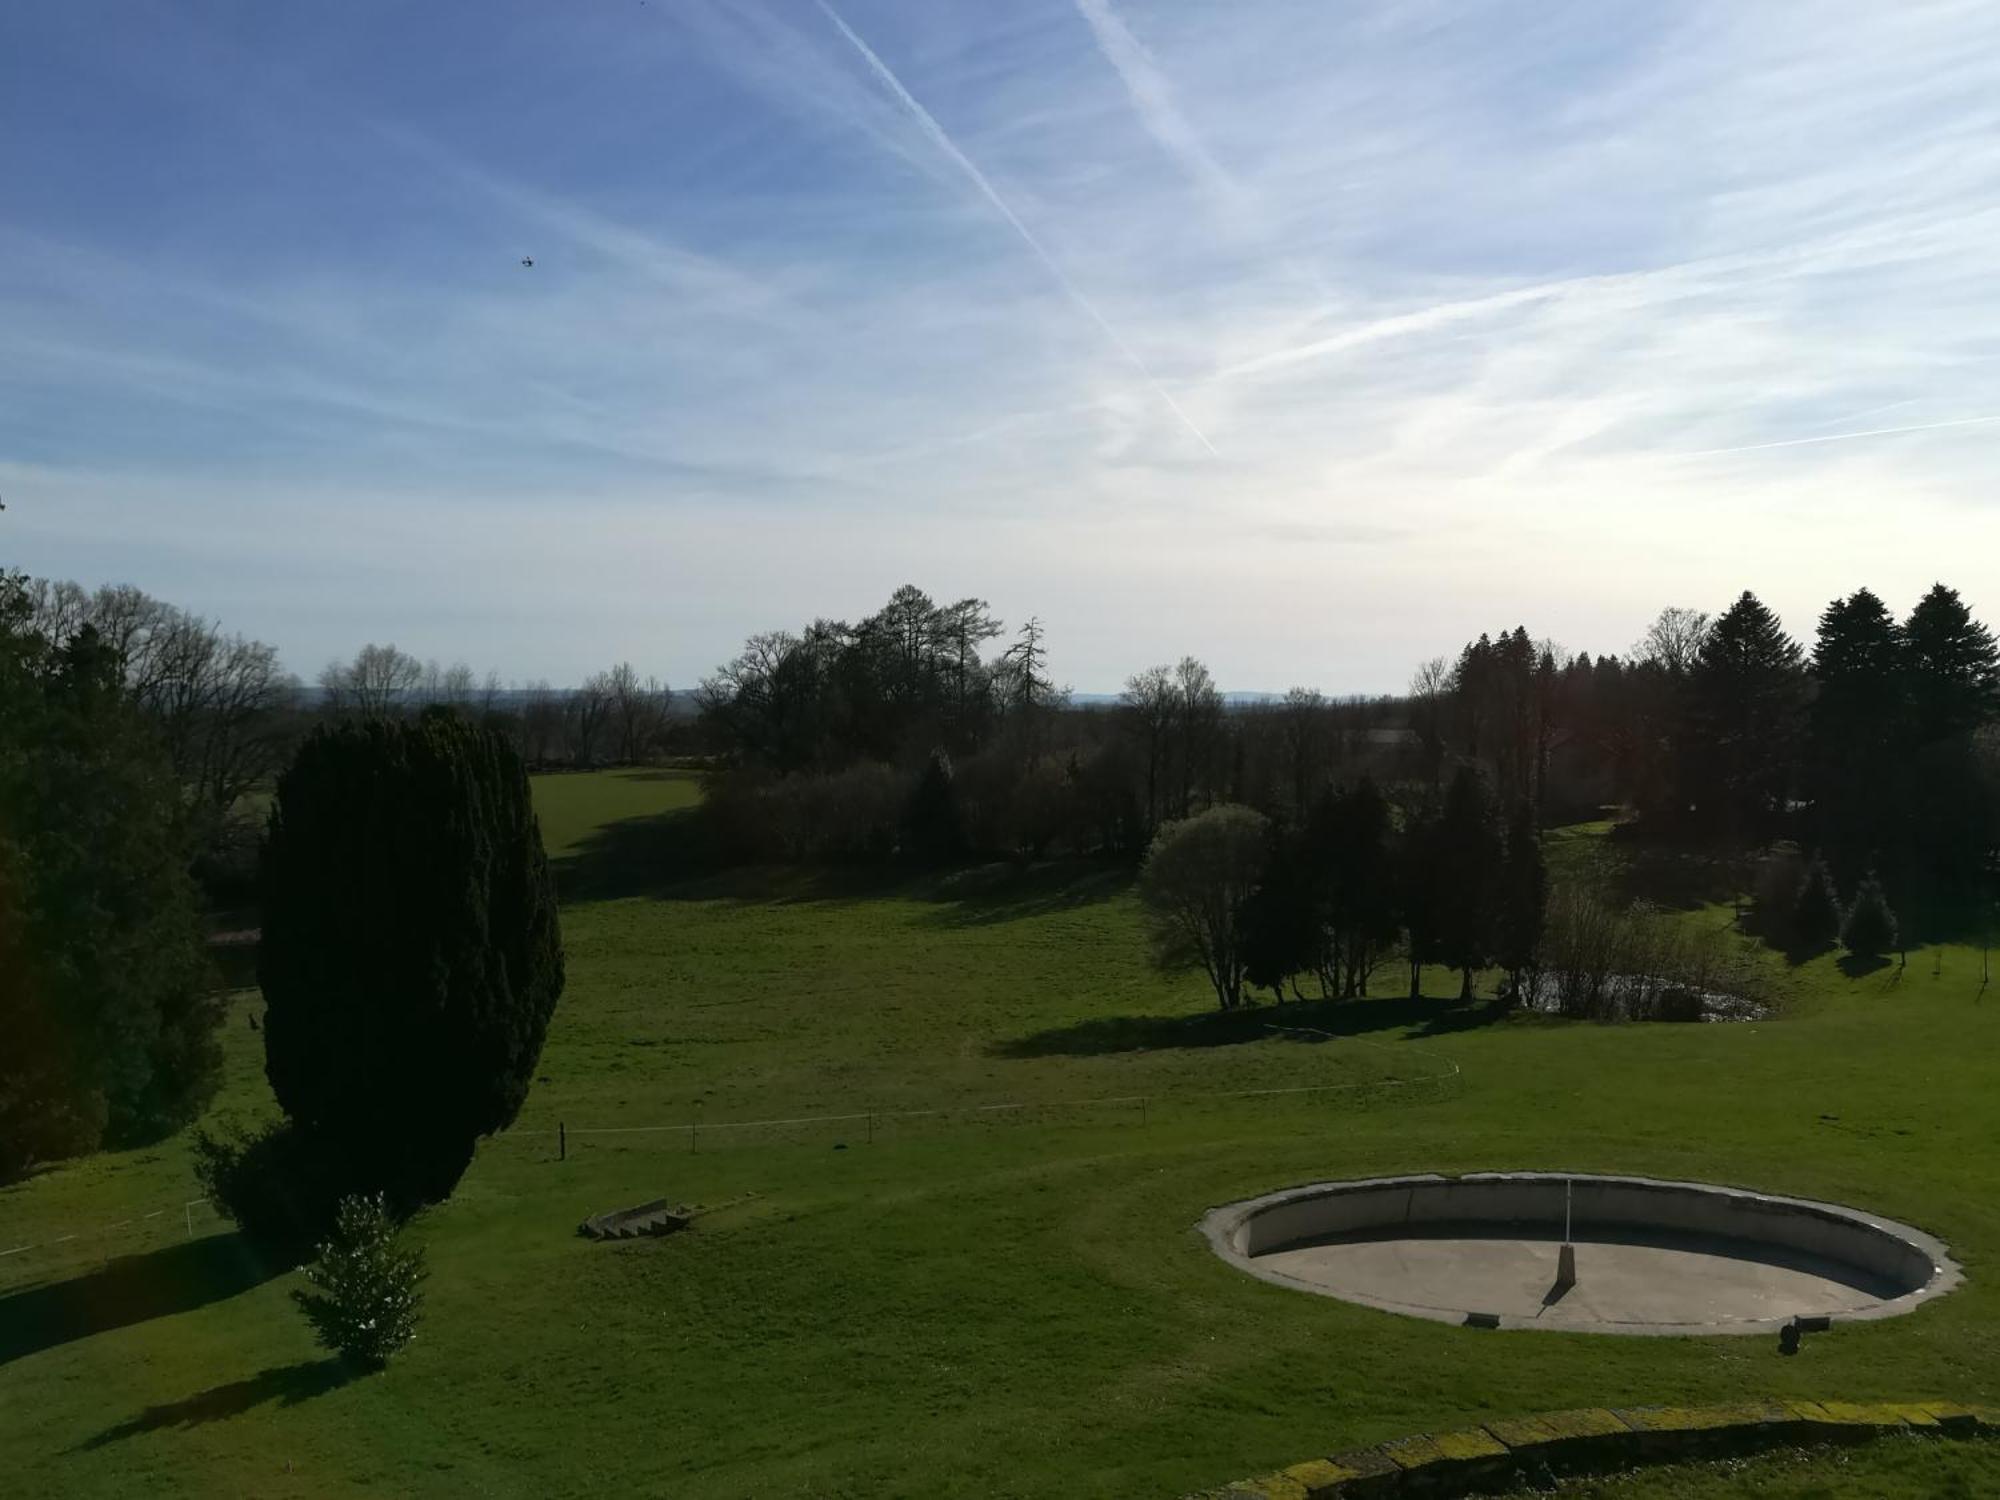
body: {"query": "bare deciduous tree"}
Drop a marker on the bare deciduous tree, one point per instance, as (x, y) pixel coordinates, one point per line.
(1305, 735)
(1198, 714)
(585, 712)
(377, 682)
(1149, 702)
(541, 723)
(217, 700)
(1674, 640)
(638, 710)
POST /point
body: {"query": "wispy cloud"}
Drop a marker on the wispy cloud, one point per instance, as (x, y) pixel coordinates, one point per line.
(1159, 111)
(991, 194)
(1842, 437)
(1531, 303)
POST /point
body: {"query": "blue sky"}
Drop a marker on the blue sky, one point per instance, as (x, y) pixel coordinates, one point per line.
(1306, 337)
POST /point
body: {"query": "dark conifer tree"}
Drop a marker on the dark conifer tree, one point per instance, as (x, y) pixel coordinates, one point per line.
(1947, 796)
(1350, 834)
(411, 956)
(1469, 852)
(1280, 929)
(1953, 665)
(1856, 722)
(1746, 698)
(1816, 914)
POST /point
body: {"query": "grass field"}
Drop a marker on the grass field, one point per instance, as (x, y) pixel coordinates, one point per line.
(977, 1301)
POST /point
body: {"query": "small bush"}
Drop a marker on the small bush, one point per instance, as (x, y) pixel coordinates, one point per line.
(366, 1298)
(1870, 930)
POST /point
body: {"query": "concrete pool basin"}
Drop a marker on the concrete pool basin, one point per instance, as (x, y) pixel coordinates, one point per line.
(1650, 1256)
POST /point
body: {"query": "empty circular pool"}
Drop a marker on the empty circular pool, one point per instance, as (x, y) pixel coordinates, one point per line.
(1642, 1256)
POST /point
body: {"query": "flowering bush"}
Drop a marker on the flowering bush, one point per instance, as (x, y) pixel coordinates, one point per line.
(365, 1299)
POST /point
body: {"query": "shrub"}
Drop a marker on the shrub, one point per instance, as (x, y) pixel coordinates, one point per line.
(282, 1194)
(1870, 929)
(932, 829)
(411, 956)
(366, 1295)
(1603, 962)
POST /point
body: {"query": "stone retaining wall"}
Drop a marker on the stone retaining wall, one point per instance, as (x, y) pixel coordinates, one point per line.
(1596, 1440)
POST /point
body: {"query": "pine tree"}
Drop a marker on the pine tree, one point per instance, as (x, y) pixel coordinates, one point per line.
(1816, 910)
(1870, 929)
(366, 1294)
(1953, 665)
(1279, 924)
(1856, 720)
(1348, 834)
(411, 956)
(1746, 695)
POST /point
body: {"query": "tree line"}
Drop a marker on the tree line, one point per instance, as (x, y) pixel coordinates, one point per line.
(1853, 783)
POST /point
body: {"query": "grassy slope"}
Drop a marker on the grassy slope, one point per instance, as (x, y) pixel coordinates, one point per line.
(966, 1307)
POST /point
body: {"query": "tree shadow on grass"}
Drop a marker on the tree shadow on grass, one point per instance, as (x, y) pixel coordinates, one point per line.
(983, 895)
(132, 1289)
(673, 856)
(287, 1385)
(635, 857)
(1307, 1021)
(1855, 966)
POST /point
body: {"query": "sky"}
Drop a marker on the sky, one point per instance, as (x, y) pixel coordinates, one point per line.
(1309, 338)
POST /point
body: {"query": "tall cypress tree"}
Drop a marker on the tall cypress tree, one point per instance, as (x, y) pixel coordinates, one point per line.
(411, 956)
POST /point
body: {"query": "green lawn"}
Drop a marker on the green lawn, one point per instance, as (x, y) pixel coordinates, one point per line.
(976, 1301)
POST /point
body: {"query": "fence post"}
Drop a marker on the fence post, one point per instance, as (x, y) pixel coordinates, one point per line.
(562, 1141)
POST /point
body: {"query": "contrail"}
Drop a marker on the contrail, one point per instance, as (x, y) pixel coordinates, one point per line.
(1839, 437)
(966, 165)
(1153, 100)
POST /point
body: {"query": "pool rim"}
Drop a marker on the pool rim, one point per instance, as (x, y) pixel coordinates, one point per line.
(1221, 1225)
